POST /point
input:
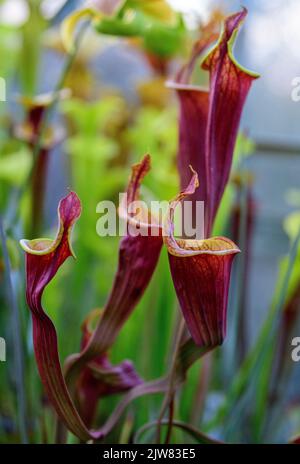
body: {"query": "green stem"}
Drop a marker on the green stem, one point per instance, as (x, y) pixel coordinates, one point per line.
(238, 341)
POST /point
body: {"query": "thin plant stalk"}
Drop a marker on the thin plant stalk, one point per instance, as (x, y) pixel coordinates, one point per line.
(170, 421)
(201, 391)
(238, 344)
(169, 396)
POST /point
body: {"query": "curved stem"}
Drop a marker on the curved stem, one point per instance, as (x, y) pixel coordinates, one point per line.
(192, 431)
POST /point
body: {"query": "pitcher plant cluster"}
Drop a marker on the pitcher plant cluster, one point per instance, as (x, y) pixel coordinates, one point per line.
(200, 269)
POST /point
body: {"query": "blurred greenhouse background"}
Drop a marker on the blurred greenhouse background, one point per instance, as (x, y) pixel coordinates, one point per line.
(118, 112)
